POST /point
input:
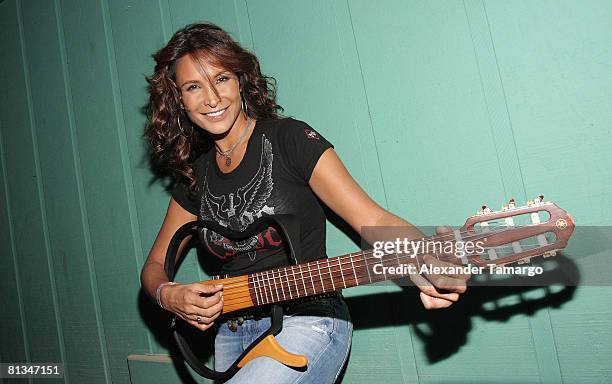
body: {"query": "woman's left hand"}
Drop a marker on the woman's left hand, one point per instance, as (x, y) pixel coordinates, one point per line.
(439, 291)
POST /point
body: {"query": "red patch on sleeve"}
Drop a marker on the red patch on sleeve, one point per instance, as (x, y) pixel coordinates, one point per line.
(311, 135)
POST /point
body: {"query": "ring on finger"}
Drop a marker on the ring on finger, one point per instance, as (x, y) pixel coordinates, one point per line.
(198, 319)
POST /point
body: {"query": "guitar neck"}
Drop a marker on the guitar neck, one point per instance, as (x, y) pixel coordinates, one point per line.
(328, 275)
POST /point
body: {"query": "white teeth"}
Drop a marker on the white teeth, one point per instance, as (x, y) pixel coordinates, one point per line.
(213, 114)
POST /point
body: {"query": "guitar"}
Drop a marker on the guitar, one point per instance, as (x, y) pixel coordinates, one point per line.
(511, 235)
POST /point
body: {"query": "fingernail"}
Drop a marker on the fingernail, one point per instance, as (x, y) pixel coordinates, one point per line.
(219, 286)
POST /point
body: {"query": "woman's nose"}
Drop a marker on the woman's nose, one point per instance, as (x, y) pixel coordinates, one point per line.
(211, 97)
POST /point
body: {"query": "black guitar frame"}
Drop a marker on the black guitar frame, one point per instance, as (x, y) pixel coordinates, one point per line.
(289, 230)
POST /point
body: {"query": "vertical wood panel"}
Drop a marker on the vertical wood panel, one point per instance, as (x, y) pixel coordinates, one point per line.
(14, 346)
(81, 325)
(427, 108)
(509, 163)
(555, 61)
(142, 25)
(30, 253)
(107, 200)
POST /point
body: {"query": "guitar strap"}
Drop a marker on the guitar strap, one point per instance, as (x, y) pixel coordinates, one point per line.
(288, 227)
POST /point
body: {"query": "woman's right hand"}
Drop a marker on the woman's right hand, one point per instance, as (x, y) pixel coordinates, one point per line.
(193, 302)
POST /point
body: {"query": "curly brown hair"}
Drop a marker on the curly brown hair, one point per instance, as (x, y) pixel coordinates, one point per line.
(172, 148)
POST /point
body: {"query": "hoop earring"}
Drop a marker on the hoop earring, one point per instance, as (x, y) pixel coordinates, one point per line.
(244, 105)
(178, 121)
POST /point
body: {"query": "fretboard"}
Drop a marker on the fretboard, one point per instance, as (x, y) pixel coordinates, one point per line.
(327, 275)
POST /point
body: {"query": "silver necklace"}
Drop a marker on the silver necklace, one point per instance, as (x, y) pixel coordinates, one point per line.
(228, 153)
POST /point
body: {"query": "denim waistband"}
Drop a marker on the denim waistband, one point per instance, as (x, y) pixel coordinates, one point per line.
(264, 310)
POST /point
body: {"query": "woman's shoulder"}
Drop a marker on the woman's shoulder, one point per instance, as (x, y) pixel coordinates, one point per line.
(284, 127)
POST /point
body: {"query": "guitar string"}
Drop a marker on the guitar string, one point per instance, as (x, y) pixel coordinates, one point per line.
(369, 252)
(267, 292)
(285, 281)
(275, 285)
(268, 280)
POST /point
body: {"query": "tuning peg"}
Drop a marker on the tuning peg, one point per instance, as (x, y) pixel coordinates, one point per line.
(530, 203)
(550, 253)
(511, 203)
(486, 209)
(525, 261)
(504, 207)
(539, 199)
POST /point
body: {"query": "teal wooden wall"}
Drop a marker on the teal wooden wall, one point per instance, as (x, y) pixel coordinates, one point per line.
(435, 107)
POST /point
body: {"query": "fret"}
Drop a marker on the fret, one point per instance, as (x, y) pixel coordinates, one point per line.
(311, 280)
(275, 285)
(257, 301)
(303, 283)
(354, 272)
(330, 274)
(281, 284)
(262, 291)
(288, 284)
(266, 286)
(265, 291)
(273, 288)
(320, 276)
(365, 259)
(341, 273)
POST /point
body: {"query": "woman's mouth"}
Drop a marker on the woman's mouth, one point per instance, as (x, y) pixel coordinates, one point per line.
(216, 115)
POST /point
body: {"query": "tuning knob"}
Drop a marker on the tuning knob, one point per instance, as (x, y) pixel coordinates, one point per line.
(511, 204)
(550, 253)
(486, 209)
(539, 199)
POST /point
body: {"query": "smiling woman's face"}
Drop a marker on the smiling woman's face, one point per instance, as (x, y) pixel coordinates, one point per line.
(210, 95)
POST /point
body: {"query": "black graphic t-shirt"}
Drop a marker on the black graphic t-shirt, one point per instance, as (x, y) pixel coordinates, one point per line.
(271, 179)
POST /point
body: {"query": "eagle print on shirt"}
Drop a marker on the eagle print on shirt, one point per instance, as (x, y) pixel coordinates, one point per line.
(237, 209)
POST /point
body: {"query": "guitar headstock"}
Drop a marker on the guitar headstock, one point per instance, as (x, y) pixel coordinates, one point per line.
(517, 233)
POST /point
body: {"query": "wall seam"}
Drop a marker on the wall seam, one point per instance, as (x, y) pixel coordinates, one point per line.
(41, 201)
(507, 109)
(540, 326)
(76, 158)
(246, 6)
(163, 20)
(546, 321)
(26, 346)
(124, 150)
(363, 83)
(486, 102)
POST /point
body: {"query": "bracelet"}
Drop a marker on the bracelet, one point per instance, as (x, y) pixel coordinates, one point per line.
(158, 292)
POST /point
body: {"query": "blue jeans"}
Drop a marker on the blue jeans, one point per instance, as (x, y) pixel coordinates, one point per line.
(325, 340)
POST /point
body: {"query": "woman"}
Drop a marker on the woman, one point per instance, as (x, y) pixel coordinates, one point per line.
(207, 92)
